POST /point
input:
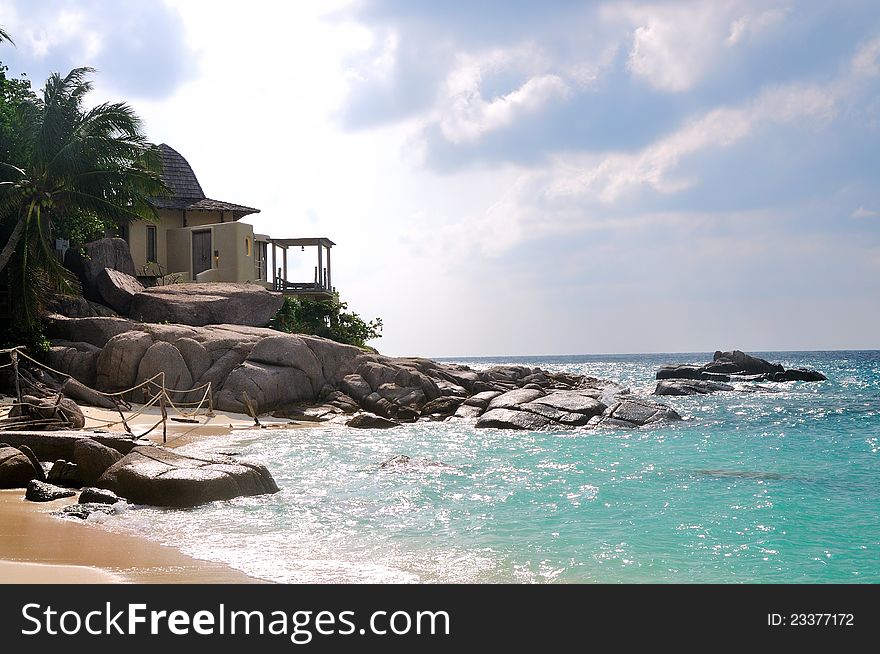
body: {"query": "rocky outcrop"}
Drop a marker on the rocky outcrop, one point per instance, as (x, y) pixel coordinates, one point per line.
(735, 366)
(92, 495)
(633, 412)
(92, 460)
(370, 421)
(76, 306)
(89, 261)
(207, 304)
(117, 289)
(54, 445)
(689, 387)
(160, 477)
(311, 378)
(40, 491)
(16, 469)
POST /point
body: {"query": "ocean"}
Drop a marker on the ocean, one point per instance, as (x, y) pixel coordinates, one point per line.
(777, 486)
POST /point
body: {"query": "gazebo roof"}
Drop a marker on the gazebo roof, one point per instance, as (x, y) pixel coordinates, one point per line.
(186, 192)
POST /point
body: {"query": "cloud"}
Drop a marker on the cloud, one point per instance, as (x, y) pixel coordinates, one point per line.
(865, 62)
(861, 212)
(139, 48)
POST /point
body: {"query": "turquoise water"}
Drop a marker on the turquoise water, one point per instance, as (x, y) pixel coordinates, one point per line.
(751, 487)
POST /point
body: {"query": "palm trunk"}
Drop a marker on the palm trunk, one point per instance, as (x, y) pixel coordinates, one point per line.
(10, 246)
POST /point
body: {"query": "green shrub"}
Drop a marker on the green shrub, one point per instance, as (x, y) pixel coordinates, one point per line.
(327, 318)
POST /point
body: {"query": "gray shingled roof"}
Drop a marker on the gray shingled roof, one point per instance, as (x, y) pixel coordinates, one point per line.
(187, 193)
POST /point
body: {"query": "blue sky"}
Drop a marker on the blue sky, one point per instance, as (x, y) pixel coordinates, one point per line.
(525, 177)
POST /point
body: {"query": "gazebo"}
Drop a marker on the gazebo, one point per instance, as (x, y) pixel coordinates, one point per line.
(321, 286)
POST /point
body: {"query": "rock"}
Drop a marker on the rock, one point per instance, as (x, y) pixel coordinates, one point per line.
(449, 388)
(160, 477)
(83, 511)
(572, 401)
(29, 453)
(16, 469)
(412, 398)
(79, 360)
(54, 445)
(355, 386)
(268, 388)
(289, 351)
(117, 289)
(509, 419)
(468, 411)
(89, 261)
(371, 421)
(118, 362)
(799, 374)
(689, 387)
(162, 357)
(40, 491)
(92, 460)
(76, 306)
(673, 371)
(482, 399)
(195, 355)
(63, 410)
(396, 460)
(442, 406)
(639, 413)
(377, 404)
(64, 473)
(94, 331)
(84, 395)
(515, 397)
(744, 363)
(92, 495)
(207, 304)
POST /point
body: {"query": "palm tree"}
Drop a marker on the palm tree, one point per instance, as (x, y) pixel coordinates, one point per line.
(78, 163)
(4, 36)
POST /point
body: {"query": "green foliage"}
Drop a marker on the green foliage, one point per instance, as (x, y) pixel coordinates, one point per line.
(66, 171)
(328, 318)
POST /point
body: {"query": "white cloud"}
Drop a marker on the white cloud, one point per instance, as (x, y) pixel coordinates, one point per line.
(865, 62)
(861, 212)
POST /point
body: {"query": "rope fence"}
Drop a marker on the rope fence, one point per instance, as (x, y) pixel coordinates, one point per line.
(154, 392)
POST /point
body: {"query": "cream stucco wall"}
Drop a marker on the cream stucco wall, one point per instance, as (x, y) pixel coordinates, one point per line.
(232, 260)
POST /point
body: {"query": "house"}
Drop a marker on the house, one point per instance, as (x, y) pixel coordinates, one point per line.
(198, 239)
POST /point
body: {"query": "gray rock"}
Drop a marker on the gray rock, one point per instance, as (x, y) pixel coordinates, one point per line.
(515, 397)
(799, 374)
(510, 419)
(76, 306)
(92, 460)
(675, 371)
(449, 388)
(119, 360)
(82, 394)
(92, 495)
(54, 445)
(83, 511)
(162, 357)
(79, 360)
(40, 491)
(291, 351)
(640, 412)
(394, 461)
(160, 477)
(743, 363)
(117, 289)
(207, 304)
(442, 406)
(195, 355)
(412, 398)
(468, 411)
(355, 386)
(268, 388)
(482, 399)
(689, 387)
(89, 261)
(571, 401)
(371, 421)
(94, 331)
(16, 469)
(62, 410)
(375, 403)
(64, 473)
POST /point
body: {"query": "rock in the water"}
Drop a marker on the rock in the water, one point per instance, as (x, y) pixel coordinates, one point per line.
(442, 406)
(511, 419)
(371, 421)
(160, 477)
(396, 460)
(89, 261)
(515, 397)
(117, 289)
(40, 491)
(64, 473)
(638, 413)
(689, 387)
(742, 362)
(571, 401)
(83, 511)
(799, 374)
(468, 411)
(355, 386)
(92, 460)
(213, 303)
(16, 469)
(92, 495)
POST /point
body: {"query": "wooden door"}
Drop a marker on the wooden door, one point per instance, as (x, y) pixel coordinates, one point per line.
(201, 243)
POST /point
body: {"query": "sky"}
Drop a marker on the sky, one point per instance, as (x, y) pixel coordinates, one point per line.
(525, 178)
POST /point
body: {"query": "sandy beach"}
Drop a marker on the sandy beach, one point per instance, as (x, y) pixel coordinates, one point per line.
(36, 547)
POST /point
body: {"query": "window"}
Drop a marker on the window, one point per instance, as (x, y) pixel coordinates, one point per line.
(247, 246)
(152, 254)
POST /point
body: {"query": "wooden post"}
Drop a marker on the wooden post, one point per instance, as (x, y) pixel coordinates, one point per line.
(284, 259)
(164, 416)
(321, 265)
(275, 266)
(14, 355)
(329, 272)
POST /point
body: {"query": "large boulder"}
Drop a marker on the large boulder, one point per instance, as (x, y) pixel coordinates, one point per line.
(89, 261)
(162, 357)
(40, 491)
(371, 421)
(737, 361)
(61, 411)
(195, 355)
(118, 363)
(207, 304)
(634, 412)
(76, 306)
(515, 397)
(511, 419)
(799, 374)
(160, 477)
(77, 359)
(16, 469)
(267, 387)
(92, 460)
(689, 387)
(117, 289)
